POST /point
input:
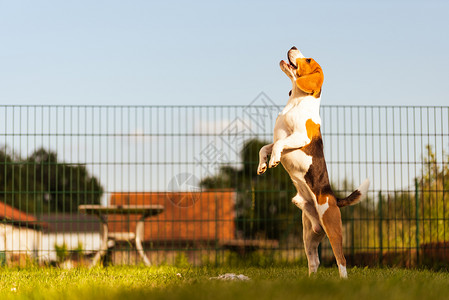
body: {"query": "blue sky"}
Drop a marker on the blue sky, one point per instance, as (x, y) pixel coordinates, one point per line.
(221, 52)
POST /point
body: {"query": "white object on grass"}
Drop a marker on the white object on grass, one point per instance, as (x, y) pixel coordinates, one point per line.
(231, 276)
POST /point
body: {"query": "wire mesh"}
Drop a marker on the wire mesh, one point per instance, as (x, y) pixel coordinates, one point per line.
(199, 164)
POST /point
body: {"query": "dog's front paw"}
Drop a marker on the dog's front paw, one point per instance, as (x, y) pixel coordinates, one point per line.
(261, 168)
(274, 161)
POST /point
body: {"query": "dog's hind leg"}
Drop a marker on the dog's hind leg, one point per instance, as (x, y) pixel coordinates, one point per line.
(263, 156)
(311, 242)
(331, 220)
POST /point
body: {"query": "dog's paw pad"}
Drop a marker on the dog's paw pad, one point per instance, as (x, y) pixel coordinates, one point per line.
(261, 169)
(273, 164)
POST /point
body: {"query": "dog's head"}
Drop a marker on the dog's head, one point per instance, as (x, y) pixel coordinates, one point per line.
(305, 73)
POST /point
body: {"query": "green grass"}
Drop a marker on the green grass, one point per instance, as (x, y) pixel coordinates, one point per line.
(194, 283)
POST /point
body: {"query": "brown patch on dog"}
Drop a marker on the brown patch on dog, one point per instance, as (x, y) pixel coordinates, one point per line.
(317, 177)
(329, 198)
(322, 199)
(310, 76)
(313, 129)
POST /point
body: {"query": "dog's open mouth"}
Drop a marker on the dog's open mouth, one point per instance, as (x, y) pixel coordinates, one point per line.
(292, 64)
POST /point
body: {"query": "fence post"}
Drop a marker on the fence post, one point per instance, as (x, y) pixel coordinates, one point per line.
(379, 208)
(352, 234)
(417, 220)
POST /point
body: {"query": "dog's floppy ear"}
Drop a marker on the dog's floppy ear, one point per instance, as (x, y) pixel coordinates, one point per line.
(310, 76)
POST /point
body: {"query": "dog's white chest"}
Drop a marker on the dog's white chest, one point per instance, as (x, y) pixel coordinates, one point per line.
(295, 115)
(293, 119)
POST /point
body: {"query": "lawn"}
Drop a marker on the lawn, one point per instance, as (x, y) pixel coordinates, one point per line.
(167, 282)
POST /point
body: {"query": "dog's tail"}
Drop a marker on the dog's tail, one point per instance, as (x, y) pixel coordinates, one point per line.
(355, 196)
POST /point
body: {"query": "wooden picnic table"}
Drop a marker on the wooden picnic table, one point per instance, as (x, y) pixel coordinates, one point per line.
(144, 211)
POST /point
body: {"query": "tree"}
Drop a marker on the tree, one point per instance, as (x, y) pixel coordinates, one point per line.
(41, 183)
(434, 192)
(394, 216)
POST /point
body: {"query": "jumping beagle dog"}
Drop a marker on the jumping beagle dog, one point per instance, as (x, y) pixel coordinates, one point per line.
(299, 147)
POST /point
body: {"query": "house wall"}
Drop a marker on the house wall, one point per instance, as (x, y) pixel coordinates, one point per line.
(19, 241)
(90, 242)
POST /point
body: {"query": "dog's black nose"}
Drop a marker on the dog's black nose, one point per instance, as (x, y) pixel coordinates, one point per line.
(294, 48)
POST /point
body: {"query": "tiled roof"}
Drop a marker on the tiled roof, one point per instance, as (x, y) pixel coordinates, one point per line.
(11, 215)
(71, 223)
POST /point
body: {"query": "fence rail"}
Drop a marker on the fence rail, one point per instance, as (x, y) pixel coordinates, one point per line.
(199, 163)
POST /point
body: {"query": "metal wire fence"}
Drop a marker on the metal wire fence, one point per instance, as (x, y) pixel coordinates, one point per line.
(178, 184)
